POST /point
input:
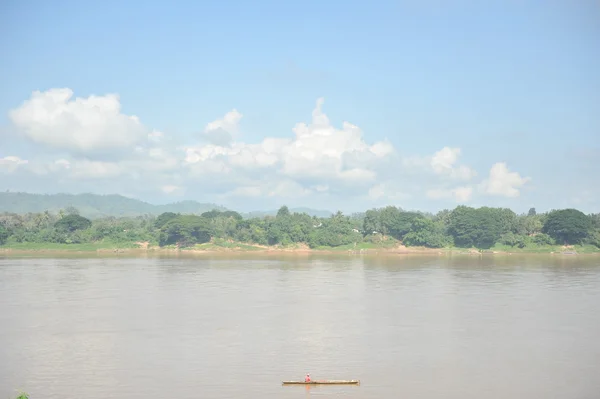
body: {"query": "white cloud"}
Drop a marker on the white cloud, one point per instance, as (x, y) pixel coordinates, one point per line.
(153, 159)
(63, 163)
(386, 191)
(443, 163)
(245, 191)
(82, 125)
(10, 163)
(318, 152)
(172, 189)
(77, 169)
(502, 182)
(376, 192)
(86, 169)
(463, 194)
(156, 136)
(316, 162)
(229, 123)
(280, 189)
(460, 194)
(221, 132)
(288, 189)
(320, 188)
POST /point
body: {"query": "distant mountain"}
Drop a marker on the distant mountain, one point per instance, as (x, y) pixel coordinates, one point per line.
(309, 211)
(95, 206)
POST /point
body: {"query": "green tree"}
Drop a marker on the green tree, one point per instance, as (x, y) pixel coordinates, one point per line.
(232, 214)
(213, 214)
(71, 223)
(542, 239)
(568, 226)
(388, 217)
(396, 222)
(164, 218)
(480, 228)
(528, 225)
(595, 218)
(252, 230)
(223, 226)
(531, 212)
(403, 222)
(71, 210)
(372, 222)
(443, 218)
(594, 238)
(277, 231)
(514, 240)
(334, 231)
(283, 212)
(3, 234)
(185, 230)
(425, 233)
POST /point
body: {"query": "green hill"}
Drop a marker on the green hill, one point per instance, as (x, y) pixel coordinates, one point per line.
(94, 206)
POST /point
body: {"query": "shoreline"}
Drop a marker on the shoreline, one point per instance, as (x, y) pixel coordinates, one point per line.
(145, 249)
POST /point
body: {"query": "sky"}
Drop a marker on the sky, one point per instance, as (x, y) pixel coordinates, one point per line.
(337, 105)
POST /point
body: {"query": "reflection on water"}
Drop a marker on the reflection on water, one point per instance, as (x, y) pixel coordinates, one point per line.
(236, 326)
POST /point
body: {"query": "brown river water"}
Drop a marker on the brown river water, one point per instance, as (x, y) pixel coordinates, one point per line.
(235, 326)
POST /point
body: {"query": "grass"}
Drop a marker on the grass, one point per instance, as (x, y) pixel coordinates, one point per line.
(384, 244)
(49, 246)
(219, 244)
(350, 247)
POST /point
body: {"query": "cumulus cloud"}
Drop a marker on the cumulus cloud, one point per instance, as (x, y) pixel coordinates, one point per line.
(229, 123)
(86, 169)
(81, 125)
(10, 163)
(221, 132)
(156, 136)
(502, 182)
(288, 189)
(142, 162)
(444, 161)
(459, 194)
(318, 152)
(79, 169)
(386, 191)
(316, 161)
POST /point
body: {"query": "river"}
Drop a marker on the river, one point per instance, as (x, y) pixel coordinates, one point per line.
(236, 326)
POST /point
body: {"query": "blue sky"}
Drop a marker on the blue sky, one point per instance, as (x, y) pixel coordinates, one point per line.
(464, 102)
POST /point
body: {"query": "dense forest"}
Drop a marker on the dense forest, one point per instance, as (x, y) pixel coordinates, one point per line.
(462, 227)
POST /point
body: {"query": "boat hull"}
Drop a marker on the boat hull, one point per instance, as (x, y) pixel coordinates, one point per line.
(323, 382)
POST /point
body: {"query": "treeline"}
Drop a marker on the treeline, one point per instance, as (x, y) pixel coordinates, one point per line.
(463, 227)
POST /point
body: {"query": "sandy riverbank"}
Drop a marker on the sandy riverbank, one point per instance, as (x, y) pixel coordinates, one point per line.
(144, 249)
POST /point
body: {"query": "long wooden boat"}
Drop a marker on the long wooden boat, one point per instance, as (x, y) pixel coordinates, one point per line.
(323, 382)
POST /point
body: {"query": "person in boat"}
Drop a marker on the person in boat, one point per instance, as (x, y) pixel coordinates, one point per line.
(307, 378)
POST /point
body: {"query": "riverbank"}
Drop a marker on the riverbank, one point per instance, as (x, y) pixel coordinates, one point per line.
(224, 246)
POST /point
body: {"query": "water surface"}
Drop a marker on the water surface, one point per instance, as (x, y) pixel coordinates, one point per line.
(236, 326)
